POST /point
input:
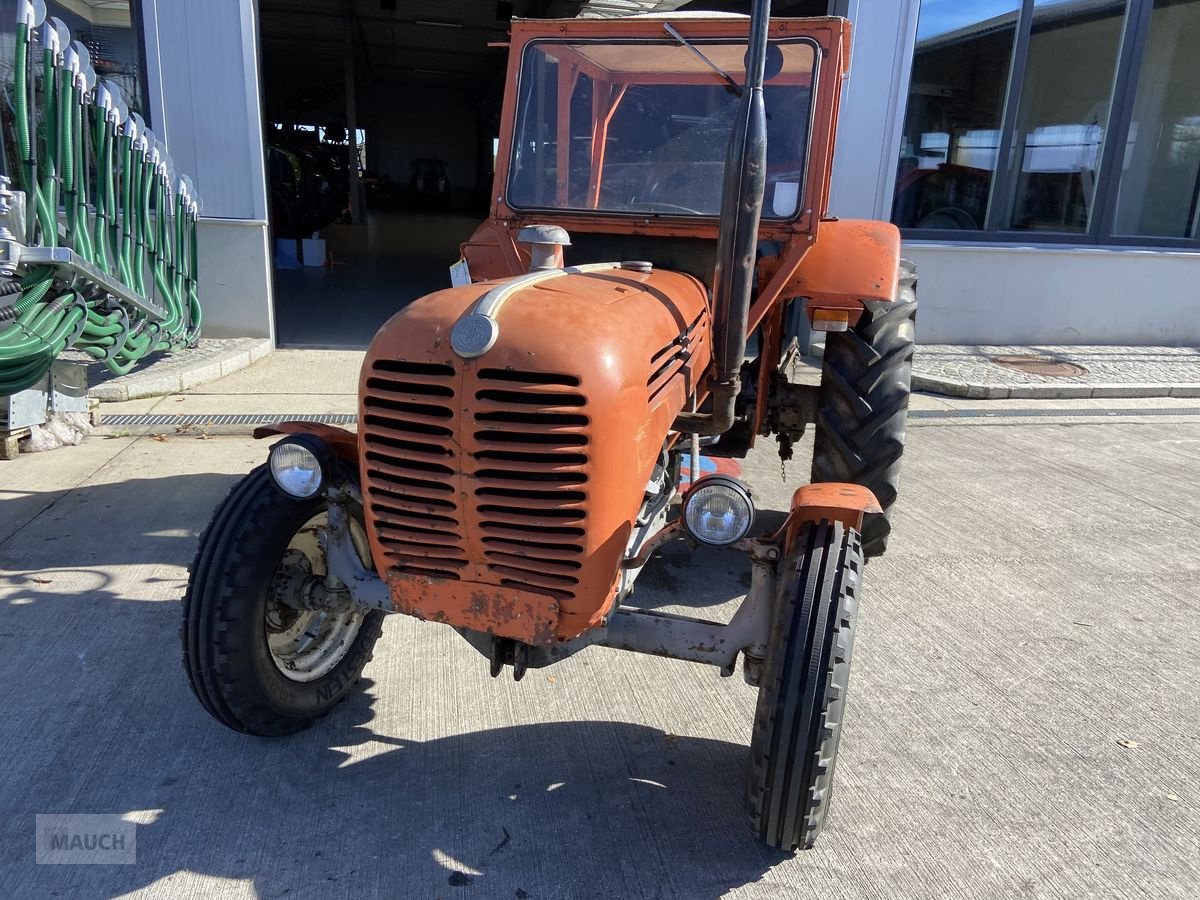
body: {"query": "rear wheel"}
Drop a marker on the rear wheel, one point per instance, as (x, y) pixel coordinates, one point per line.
(863, 403)
(802, 695)
(257, 658)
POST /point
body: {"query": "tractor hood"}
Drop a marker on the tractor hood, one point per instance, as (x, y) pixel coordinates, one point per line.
(507, 433)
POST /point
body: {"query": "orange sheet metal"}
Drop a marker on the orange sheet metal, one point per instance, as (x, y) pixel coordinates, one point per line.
(853, 260)
(500, 491)
(343, 442)
(835, 501)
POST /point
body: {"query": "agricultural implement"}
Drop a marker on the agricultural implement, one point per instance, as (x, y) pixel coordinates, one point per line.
(98, 249)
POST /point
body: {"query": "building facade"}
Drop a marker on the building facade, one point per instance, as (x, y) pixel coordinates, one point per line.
(1042, 158)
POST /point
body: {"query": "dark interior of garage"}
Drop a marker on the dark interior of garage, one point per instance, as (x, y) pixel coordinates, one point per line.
(381, 118)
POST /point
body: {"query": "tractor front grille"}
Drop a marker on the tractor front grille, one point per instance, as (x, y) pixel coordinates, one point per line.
(515, 507)
(531, 479)
(408, 444)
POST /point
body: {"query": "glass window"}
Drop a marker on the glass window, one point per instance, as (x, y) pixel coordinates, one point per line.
(1063, 116)
(647, 126)
(1161, 177)
(1077, 120)
(110, 29)
(955, 110)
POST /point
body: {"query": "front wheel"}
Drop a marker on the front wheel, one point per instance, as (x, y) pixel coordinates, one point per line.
(257, 658)
(802, 695)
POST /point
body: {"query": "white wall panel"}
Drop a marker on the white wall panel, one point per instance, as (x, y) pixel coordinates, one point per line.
(997, 294)
(203, 80)
(202, 61)
(873, 99)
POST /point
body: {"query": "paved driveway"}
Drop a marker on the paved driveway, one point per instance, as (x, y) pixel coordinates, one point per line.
(1038, 608)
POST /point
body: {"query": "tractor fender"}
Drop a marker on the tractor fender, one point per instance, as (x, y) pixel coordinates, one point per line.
(851, 261)
(834, 501)
(343, 442)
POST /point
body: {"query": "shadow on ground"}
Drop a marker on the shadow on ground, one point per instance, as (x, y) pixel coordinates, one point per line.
(584, 808)
(168, 511)
(99, 719)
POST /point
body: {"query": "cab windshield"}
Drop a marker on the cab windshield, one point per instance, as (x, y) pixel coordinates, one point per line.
(644, 128)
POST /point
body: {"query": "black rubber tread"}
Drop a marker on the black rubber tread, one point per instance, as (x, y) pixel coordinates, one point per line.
(223, 631)
(863, 403)
(802, 696)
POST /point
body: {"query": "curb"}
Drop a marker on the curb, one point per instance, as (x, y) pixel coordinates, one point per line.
(158, 384)
(1071, 390)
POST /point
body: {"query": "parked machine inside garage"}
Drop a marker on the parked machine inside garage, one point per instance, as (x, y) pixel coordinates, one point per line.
(660, 202)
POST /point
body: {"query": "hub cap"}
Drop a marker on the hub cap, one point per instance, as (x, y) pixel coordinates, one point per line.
(307, 644)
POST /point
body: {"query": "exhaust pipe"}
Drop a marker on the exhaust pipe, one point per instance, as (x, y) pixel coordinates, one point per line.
(741, 209)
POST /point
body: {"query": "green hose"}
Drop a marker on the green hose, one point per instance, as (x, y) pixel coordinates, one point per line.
(139, 231)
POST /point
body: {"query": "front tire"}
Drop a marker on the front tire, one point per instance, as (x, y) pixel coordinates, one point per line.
(866, 379)
(256, 663)
(802, 695)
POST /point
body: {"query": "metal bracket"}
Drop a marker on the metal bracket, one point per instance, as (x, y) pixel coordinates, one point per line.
(344, 569)
(698, 640)
(66, 259)
(678, 637)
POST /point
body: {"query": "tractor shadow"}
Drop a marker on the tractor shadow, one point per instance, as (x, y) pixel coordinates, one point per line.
(99, 719)
(550, 810)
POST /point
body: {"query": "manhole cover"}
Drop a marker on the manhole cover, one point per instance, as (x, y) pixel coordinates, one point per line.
(1040, 365)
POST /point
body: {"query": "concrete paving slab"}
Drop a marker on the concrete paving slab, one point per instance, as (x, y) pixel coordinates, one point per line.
(1036, 608)
(287, 372)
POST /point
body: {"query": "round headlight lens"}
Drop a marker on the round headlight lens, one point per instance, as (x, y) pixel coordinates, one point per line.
(296, 469)
(718, 510)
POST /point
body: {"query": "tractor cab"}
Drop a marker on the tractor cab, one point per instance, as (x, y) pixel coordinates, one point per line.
(619, 130)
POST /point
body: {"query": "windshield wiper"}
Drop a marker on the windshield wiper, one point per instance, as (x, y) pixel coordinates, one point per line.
(708, 62)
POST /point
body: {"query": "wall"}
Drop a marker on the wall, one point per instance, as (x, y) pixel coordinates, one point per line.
(235, 286)
(872, 110)
(203, 81)
(997, 294)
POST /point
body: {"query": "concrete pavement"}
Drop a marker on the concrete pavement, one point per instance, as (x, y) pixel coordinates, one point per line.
(1036, 609)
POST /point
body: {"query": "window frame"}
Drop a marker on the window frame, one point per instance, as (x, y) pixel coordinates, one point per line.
(1135, 32)
(521, 111)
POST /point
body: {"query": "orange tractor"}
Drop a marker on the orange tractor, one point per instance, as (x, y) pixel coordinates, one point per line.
(660, 203)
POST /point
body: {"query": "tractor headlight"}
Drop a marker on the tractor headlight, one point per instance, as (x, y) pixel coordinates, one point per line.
(300, 465)
(718, 510)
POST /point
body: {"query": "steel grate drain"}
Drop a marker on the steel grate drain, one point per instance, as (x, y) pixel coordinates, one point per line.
(149, 419)
(1041, 365)
(236, 419)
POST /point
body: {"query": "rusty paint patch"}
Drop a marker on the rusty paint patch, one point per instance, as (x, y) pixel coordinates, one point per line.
(521, 615)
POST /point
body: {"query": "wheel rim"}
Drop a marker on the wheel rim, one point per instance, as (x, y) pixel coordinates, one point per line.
(307, 644)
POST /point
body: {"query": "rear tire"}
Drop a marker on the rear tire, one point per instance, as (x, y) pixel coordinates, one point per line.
(802, 696)
(863, 403)
(231, 666)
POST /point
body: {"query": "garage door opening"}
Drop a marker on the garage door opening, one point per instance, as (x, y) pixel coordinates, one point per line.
(380, 120)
